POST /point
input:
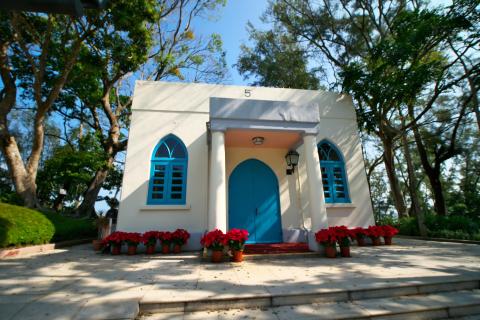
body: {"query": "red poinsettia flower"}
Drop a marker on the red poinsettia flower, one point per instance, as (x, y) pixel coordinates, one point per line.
(180, 236)
(132, 238)
(149, 238)
(389, 231)
(214, 239)
(343, 235)
(115, 239)
(359, 232)
(326, 236)
(375, 231)
(236, 238)
(165, 237)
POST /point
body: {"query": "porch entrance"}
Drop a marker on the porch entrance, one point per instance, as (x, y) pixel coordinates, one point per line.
(253, 202)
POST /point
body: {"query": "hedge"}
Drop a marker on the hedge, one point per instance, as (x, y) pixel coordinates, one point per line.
(22, 226)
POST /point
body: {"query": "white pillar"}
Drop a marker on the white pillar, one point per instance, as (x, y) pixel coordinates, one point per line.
(318, 212)
(217, 193)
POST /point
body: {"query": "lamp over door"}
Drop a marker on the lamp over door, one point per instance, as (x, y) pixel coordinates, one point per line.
(292, 161)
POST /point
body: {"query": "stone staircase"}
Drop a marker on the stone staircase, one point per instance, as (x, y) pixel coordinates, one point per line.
(457, 299)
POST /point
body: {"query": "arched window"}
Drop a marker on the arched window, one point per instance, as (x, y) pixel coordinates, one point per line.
(168, 172)
(333, 173)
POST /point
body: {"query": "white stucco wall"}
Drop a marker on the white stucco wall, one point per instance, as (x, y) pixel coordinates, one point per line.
(161, 108)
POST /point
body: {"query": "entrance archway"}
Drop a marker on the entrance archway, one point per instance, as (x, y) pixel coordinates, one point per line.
(253, 202)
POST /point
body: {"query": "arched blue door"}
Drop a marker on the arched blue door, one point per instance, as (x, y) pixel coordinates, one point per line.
(253, 202)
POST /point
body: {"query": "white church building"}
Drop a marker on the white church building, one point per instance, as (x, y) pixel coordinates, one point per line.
(281, 163)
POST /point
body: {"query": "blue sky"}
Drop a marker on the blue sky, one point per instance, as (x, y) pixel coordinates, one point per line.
(231, 24)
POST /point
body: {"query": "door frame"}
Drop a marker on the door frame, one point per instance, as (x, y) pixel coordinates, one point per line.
(277, 193)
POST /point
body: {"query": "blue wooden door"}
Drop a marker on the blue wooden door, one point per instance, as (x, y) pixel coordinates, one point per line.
(253, 202)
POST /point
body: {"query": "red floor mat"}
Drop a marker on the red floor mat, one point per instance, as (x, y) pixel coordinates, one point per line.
(272, 248)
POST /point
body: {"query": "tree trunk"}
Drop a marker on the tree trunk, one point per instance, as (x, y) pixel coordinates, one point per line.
(87, 208)
(389, 161)
(412, 189)
(433, 174)
(439, 200)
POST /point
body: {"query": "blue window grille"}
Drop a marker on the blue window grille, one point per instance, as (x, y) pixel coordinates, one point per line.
(168, 172)
(334, 180)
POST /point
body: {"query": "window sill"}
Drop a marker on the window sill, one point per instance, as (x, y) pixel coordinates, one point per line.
(166, 207)
(340, 205)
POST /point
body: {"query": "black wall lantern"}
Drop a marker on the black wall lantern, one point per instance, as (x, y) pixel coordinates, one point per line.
(292, 161)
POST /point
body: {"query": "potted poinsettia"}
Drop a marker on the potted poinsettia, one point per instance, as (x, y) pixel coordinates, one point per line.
(179, 238)
(216, 241)
(165, 238)
(328, 238)
(114, 241)
(388, 233)
(132, 239)
(149, 239)
(375, 232)
(359, 234)
(236, 241)
(343, 235)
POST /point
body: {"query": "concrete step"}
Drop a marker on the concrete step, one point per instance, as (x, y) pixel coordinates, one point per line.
(152, 303)
(460, 305)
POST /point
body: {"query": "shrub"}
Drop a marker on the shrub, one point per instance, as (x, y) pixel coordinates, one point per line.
(408, 226)
(68, 228)
(23, 226)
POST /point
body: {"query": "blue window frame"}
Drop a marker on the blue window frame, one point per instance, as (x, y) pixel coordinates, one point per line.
(334, 180)
(168, 172)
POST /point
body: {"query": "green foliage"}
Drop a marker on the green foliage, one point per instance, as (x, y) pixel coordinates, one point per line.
(450, 227)
(67, 228)
(408, 226)
(276, 60)
(22, 226)
(401, 64)
(71, 168)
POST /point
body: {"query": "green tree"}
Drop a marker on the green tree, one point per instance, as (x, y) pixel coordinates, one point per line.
(99, 95)
(276, 60)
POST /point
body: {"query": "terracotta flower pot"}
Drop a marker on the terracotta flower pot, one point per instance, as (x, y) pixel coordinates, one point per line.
(150, 249)
(345, 252)
(116, 249)
(165, 248)
(376, 241)
(217, 256)
(177, 248)
(388, 240)
(237, 256)
(97, 245)
(331, 251)
(361, 241)
(132, 250)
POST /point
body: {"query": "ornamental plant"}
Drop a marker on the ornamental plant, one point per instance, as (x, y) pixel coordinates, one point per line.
(115, 239)
(343, 235)
(149, 238)
(389, 231)
(132, 238)
(359, 232)
(236, 239)
(375, 231)
(165, 237)
(326, 237)
(215, 240)
(180, 237)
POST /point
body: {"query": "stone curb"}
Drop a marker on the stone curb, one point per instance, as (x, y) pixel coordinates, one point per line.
(437, 239)
(271, 301)
(23, 251)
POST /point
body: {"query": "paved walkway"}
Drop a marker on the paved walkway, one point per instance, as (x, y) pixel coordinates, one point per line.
(76, 283)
